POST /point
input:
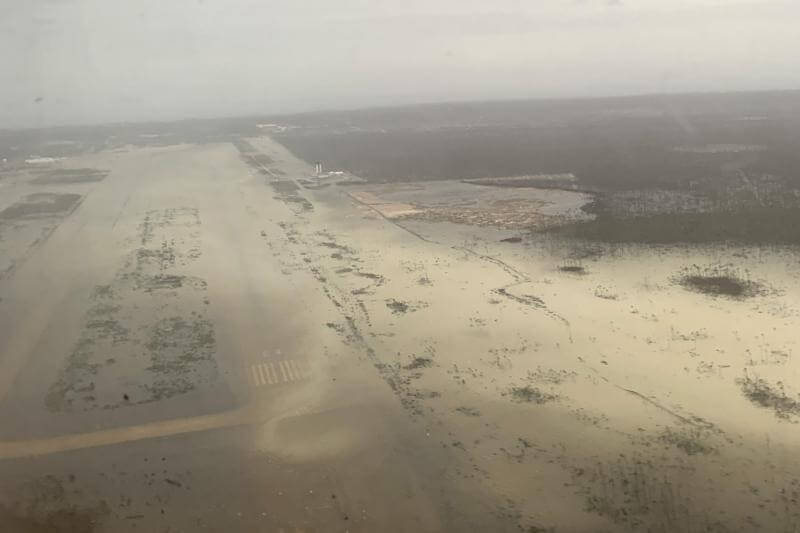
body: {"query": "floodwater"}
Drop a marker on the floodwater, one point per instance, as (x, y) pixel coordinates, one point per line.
(194, 340)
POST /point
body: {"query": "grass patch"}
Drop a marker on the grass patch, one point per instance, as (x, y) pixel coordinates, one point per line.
(718, 281)
(774, 397)
(468, 411)
(572, 269)
(691, 442)
(531, 394)
(399, 307)
(419, 362)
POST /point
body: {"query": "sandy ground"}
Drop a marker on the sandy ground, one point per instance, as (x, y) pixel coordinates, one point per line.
(195, 342)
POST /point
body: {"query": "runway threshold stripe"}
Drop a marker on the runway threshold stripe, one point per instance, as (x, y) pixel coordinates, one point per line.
(284, 378)
(261, 374)
(277, 372)
(288, 365)
(298, 370)
(292, 370)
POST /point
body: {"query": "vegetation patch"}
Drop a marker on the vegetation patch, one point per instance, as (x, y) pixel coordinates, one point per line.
(419, 362)
(689, 442)
(572, 269)
(531, 394)
(399, 307)
(774, 397)
(550, 375)
(718, 281)
(767, 225)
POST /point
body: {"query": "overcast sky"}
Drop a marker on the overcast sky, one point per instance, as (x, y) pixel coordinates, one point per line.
(87, 61)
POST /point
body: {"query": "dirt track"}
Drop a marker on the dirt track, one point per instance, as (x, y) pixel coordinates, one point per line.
(376, 374)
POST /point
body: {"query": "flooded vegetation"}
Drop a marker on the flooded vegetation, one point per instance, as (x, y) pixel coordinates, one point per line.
(719, 281)
(532, 316)
(643, 265)
(773, 397)
(400, 267)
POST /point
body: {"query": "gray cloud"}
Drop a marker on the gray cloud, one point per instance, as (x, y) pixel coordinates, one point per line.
(110, 60)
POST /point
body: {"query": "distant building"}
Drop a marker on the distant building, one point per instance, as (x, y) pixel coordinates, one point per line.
(318, 168)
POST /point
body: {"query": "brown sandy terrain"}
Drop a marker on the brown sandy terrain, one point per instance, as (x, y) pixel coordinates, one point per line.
(203, 343)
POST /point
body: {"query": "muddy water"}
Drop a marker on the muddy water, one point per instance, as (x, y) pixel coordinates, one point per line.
(608, 396)
(295, 359)
(131, 342)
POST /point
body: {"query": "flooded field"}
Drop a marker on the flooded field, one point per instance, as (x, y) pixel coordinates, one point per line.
(213, 334)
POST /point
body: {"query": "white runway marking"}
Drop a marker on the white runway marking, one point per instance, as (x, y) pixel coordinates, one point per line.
(107, 437)
(277, 372)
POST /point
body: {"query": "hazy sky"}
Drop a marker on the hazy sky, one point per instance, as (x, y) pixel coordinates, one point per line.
(91, 61)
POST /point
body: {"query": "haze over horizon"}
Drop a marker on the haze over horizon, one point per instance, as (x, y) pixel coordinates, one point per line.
(89, 61)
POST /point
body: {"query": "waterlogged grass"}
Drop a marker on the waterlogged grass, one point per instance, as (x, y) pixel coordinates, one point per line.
(689, 442)
(572, 269)
(769, 396)
(718, 280)
(419, 362)
(531, 394)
